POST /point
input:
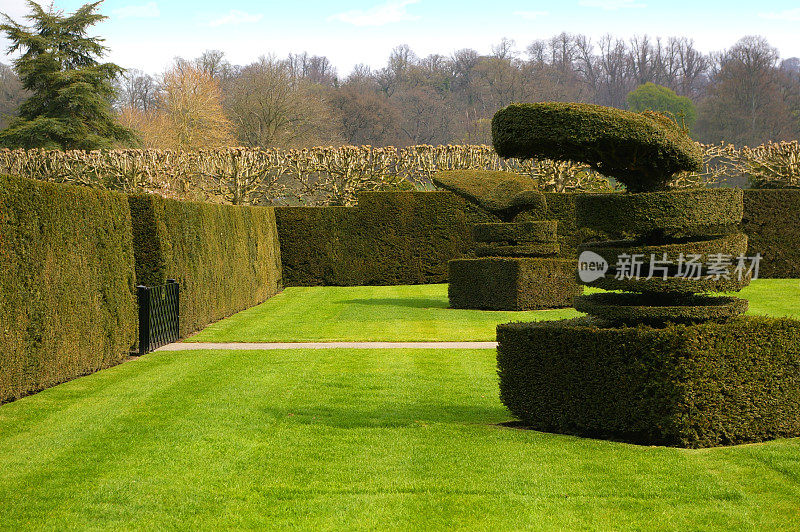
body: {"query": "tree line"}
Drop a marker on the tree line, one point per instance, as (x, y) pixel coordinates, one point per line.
(745, 95)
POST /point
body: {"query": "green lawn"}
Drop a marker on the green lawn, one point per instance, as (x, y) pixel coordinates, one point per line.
(413, 313)
(346, 439)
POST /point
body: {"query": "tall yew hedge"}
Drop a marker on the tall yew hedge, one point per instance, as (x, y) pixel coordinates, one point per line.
(66, 283)
(225, 258)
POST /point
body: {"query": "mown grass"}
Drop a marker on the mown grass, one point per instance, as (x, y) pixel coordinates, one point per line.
(352, 439)
(414, 313)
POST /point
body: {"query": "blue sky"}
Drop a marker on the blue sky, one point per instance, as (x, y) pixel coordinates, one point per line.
(148, 34)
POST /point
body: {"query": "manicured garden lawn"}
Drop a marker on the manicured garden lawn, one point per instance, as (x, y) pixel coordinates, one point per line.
(345, 439)
(413, 313)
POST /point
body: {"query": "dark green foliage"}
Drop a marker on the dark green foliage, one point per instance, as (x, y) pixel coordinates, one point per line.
(734, 244)
(772, 222)
(620, 309)
(652, 97)
(504, 194)
(225, 258)
(66, 283)
(691, 212)
(545, 231)
(690, 386)
(390, 238)
(659, 222)
(512, 283)
(561, 208)
(320, 245)
(528, 249)
(642, 151)
(71, 92)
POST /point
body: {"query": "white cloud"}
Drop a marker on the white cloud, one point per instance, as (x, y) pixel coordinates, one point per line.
(235, 17)
(610, 5)
(789, 15)
(148, 10)
(530, 15)
(391, 11)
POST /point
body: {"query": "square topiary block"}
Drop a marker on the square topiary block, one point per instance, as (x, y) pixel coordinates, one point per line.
(512, 283)
(684, 385)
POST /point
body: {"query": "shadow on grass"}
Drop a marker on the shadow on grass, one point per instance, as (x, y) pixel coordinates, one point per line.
(390, 416)
(639, 439)
(407, 302)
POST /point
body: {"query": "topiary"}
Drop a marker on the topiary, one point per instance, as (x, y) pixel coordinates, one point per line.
(641, 150)
(504, 194)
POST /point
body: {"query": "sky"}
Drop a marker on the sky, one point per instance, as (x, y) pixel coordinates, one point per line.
(149, 34)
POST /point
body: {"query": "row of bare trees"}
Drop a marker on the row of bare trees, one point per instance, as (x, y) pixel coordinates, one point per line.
(745, 95)
(335, 176)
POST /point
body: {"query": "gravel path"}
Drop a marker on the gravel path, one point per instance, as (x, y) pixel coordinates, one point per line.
(191, 346)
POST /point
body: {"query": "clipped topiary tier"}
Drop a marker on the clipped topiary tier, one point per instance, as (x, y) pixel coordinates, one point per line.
(663, 362)
(671, 285)
(632, 309)
(684, 385)
(734, 244)
(678, 211)
(545, 231)
(514, 283)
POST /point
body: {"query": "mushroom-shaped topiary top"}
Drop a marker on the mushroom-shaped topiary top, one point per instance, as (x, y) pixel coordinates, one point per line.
(641, 150)
(504, 194)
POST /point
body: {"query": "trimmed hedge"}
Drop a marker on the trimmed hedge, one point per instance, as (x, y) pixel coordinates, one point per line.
(390, 238)
(772, 223)
(66, 283)
(322, 245)
(641, 150)
(512, 283)
(225, 258)
(690, 386)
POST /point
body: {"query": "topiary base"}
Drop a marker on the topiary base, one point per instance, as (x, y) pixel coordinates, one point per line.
(512, 283)
(682, 385)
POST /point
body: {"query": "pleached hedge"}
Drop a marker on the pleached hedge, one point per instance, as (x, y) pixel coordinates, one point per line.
(66, 283)
(225, 258)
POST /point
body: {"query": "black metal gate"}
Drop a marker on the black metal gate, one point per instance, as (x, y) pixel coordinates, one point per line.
(159, 315)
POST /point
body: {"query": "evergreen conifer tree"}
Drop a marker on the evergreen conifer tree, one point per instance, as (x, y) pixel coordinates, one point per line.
(71, 91)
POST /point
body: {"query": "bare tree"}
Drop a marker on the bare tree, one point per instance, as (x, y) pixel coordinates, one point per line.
(271, 109)
(314, 68)
(749, 101)
(12, 94)
(137, 90)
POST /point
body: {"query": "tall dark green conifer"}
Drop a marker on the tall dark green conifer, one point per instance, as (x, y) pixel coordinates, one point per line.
(71, 92)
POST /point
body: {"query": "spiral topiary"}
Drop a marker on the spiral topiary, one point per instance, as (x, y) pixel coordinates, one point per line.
(643, 151)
